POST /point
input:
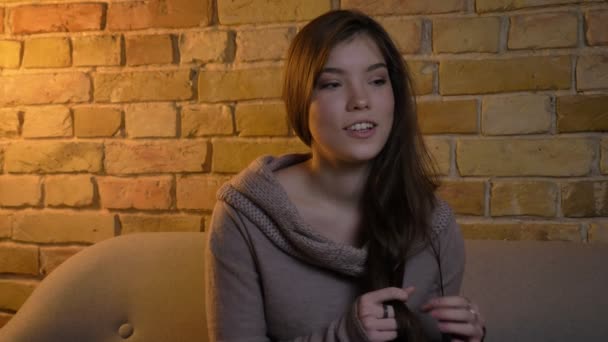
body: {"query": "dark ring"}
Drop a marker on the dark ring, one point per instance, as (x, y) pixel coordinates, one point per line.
(385, 307)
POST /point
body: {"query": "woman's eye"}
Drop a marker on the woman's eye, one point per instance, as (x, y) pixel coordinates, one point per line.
(379, 82)
(329, 85)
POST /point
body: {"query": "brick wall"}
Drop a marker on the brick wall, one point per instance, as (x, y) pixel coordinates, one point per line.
(123, 117)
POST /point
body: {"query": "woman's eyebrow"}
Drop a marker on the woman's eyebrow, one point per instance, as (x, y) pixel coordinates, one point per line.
(333, 70)
(377, 66)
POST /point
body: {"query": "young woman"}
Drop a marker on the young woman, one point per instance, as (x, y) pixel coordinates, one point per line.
(348, 243)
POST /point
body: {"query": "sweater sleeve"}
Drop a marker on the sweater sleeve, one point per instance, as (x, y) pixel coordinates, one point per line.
(452, 255)
(234, 294)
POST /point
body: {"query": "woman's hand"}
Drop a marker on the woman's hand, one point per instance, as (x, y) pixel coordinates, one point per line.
(457, 316)
(377, 318)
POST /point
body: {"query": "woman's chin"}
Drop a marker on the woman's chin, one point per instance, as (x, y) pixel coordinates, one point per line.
(361, 157)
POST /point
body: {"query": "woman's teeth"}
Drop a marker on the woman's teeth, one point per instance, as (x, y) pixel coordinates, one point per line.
(361, 126)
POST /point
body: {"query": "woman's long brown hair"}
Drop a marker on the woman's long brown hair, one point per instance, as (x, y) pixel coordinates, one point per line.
(398, 198)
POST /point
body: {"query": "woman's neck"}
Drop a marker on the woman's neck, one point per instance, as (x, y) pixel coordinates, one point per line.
(337, 181)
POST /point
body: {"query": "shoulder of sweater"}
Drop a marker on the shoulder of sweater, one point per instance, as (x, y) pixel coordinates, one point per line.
(442, 216)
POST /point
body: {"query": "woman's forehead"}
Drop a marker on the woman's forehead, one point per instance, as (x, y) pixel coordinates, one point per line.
(359, 51)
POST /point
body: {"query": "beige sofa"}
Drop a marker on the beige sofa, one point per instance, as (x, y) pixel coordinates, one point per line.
(149, 287)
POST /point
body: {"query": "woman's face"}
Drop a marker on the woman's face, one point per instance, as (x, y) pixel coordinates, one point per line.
(351, 111)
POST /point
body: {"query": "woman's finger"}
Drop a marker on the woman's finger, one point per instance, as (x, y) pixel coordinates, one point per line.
(464, 329)
(371, 324)
(381, 336)
(385, 311)
(457, 315)
(389, 293)
(388, 324)
(451, 301)
(370, 304)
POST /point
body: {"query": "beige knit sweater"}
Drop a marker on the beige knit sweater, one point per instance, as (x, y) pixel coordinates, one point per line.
(271, 277)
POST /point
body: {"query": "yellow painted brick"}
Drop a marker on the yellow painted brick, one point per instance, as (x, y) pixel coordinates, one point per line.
(75, 17)
(592, 72)
(182, 13)
(135, 193)
(6, 224)
(207, 223)
(18, 258)
(206, 120)
(582, 113)
(2, 148)
(597, 27)
(406, 33)
(546, 30)
(405, 7)
(517, 114)
(90, 122)
(206, 47)
(585, 198)
(62, 226)
(13, 293)
(45, 122)
(262, 11)
(2, 26)
(53, 257)
(448, 117)
(134, 157)
(440, 152)
(422, 74)
(133, 15)
(525, 157)
(504, 75)
(598, 232)
(604, 158)
(231, 155)
(132, 223)
(261, 119)
(260, 83)
(151, 120)
(198, 191)
(533, 198)
(16, 191)
(263, 43)
(44, 88)
(506, 5)
(10, 53)
(72, 191)
(143, 86)
(522, 231)
(478, 34)
(149, 49)
(465, 198)
(96, 50)
(53, 52)
(9, 123)
(123, 16)
(53, 156)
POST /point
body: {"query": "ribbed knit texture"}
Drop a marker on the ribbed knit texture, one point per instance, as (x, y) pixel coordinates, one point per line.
(258, 195)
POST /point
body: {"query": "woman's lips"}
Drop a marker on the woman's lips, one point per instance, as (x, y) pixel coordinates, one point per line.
(361, 134)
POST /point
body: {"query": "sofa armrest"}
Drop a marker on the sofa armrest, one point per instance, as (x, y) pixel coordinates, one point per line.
(148, 287)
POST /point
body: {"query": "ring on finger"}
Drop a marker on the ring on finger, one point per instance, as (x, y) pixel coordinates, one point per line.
(475, 315)
(385, 311)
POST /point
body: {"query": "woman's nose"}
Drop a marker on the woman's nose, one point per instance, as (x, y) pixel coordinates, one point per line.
(358, 101)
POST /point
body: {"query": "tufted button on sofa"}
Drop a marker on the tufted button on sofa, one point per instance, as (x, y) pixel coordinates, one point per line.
(149, 287)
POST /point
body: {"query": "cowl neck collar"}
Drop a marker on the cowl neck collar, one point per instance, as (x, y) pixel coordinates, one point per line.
(258, 195)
